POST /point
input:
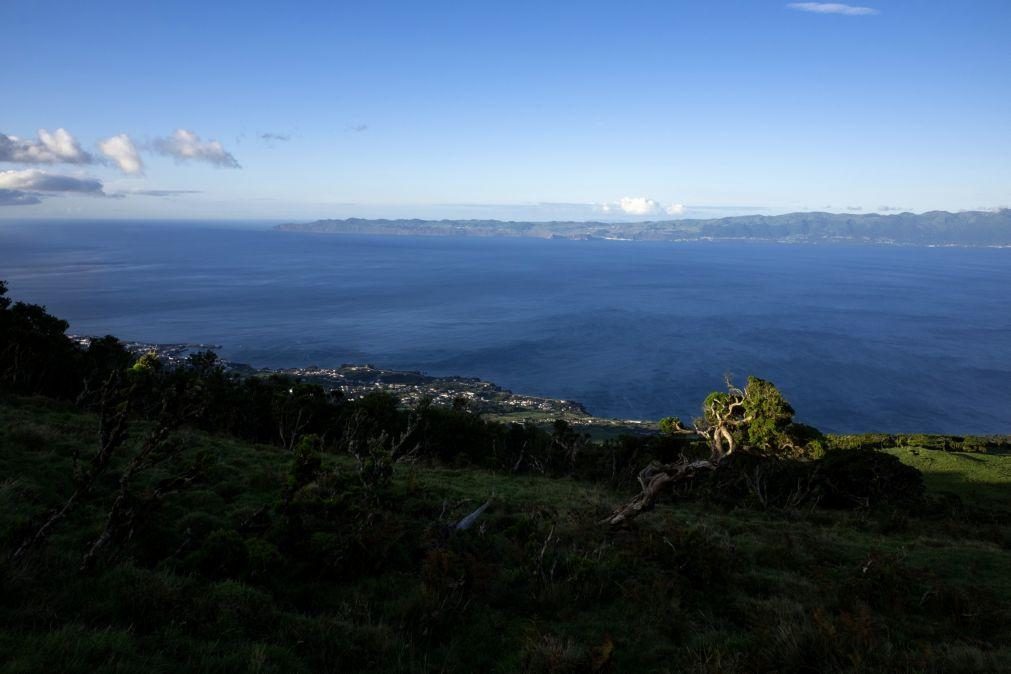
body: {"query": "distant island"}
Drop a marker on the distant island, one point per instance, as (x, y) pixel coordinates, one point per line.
(934, 228)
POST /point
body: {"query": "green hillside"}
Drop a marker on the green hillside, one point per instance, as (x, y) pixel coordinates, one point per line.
(540, 585)
(166, 517)
(975, 477)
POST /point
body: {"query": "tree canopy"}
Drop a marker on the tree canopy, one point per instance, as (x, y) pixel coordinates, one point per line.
(757, 417)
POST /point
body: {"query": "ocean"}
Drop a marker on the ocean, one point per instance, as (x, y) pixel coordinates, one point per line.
(859, 338)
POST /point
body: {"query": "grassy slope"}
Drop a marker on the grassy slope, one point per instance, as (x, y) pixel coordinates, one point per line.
(976, 478)
(538, 586)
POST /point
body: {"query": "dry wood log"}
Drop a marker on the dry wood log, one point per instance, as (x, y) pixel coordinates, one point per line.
(468, 521)
(653, 479)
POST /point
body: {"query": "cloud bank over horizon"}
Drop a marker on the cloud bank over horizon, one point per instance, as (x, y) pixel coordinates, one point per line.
(28, 187)
(18, 198)
(35, 180)
(31, 186)
(641, 207)
(832, 8)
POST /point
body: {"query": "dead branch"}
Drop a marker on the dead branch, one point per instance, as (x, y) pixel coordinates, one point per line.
(126, 507)
(114, 409)
(519, 461)
(400, 448)
(547, 575)
(290, 436)
(653, 479)
(468, 521)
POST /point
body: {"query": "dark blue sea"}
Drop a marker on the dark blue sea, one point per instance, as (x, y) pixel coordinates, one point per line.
(859, 338)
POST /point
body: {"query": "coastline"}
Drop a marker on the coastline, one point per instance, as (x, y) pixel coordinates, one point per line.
(971, 229)
(354, 381)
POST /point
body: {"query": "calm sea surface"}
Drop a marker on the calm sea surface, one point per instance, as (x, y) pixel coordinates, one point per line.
(859, 338)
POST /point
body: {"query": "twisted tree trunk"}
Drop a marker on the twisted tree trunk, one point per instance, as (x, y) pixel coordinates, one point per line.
(653, 479)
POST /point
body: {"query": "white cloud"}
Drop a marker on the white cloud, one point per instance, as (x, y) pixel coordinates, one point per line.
(35, 180)
(639, 206)
(121, 150)
(58, 147)
(30, 186)
(185, 145)
(832, 8)
(642, 206)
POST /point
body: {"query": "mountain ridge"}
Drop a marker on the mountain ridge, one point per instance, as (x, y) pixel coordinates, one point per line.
(964, 228)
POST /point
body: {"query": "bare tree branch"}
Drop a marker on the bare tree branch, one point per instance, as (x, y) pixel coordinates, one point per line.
(114, 409)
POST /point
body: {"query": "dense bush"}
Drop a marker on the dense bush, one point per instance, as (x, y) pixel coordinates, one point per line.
(862, 478)
(842, 479)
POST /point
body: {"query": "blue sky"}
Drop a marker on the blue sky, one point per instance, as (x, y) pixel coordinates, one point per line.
(529, 110)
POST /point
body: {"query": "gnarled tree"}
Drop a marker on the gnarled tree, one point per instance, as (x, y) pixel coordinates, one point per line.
(755, 418)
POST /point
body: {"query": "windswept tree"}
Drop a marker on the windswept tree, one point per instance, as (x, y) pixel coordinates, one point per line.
(756, 419)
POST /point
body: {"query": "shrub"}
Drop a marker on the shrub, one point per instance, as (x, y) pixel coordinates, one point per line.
(549, 654)
(864, 478)
(263, 558)
(32, 437)
(306, 462)
(760, 480)
(223, 554)
(235, 609)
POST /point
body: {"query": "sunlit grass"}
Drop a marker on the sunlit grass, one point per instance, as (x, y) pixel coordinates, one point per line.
(974, 477)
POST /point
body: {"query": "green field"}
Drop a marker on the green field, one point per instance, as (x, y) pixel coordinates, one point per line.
(983, 479)
(539, 586)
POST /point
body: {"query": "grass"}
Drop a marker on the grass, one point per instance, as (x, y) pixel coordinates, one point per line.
(982, 479)
(380, 582)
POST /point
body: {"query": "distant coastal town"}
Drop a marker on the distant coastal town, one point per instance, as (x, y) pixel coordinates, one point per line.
(354, 381)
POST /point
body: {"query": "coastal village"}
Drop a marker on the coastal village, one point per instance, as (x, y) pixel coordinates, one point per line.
(354, 381)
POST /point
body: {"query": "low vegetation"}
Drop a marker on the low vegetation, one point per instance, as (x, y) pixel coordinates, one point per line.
(166, 519)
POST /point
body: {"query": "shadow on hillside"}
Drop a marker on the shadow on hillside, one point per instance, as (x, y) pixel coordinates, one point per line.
(974, 491)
